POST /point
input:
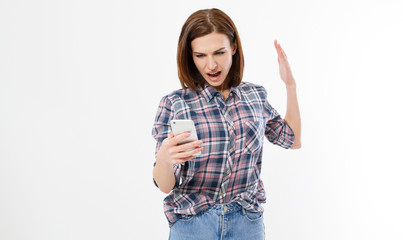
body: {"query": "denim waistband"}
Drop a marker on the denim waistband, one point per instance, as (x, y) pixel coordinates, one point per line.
(225, 208)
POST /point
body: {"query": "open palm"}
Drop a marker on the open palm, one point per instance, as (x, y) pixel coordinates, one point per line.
(285, 69)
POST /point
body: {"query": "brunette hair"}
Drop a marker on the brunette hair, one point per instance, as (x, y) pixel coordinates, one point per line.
(201, 23)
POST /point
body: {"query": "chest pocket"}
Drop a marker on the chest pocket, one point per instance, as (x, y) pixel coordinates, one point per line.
(254, 132)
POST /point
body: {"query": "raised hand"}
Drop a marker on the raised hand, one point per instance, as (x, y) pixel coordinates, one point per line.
(285, 69)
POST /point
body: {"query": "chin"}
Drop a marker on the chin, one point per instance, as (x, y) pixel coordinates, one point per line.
(214, 84)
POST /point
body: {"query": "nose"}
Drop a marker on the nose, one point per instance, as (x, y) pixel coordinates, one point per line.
(211, 63)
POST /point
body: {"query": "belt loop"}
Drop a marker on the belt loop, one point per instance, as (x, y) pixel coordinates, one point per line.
(243, 210)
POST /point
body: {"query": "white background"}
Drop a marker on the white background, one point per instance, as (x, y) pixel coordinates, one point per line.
(80, 82)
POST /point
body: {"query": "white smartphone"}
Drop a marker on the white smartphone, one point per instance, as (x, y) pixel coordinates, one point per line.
(179, 126)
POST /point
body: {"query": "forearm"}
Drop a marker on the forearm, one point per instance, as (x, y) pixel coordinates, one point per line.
(164, 176)
(292, 116)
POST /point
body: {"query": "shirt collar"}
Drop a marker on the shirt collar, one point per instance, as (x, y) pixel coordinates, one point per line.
(209, 92)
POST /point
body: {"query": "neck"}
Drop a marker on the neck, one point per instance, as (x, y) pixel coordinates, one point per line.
(225, 93)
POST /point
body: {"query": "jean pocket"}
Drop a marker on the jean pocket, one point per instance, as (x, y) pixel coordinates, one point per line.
(252, 216)
(186, 218)
(254, 132)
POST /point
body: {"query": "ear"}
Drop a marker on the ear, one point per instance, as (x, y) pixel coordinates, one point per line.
(234, 48)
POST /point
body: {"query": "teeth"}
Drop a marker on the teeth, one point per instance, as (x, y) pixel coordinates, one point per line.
(213, 74)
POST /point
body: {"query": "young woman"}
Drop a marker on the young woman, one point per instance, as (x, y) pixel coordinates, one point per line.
(218, 194)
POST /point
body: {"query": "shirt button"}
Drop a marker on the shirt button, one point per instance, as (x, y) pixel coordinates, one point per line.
(221, 194)
(230, 94)
(231, 150)
(231, 128)
(228, 172)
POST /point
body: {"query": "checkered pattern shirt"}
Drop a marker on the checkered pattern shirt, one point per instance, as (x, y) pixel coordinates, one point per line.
(228, 168)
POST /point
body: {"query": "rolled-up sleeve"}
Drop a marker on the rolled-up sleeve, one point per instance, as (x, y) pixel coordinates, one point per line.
(161, 130)
(277, 130)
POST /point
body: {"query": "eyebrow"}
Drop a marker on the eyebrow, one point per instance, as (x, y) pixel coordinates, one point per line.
(214, 51)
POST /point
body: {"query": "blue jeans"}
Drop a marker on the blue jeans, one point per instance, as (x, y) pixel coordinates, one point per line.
(221, 222)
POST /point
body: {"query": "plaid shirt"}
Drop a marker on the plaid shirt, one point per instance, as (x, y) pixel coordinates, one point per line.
(228, 168)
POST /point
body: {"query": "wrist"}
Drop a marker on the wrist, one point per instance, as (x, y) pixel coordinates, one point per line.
(163, 163)
(291, 86)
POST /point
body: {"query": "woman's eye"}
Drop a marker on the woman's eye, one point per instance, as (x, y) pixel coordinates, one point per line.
(219, 53)
(200, 55)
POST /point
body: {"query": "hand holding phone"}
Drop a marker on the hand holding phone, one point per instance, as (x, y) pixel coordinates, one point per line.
(180, 126)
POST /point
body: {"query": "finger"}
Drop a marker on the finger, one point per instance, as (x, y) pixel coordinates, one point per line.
(277, 45)
(187, 154)
(179, 161)
(187, 146)
(176, 139)
(168, 139)
(279, 49)
(175, 149)
(282, 51)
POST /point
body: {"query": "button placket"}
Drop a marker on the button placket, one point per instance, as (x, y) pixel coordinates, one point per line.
(231, 144)
(225, 111)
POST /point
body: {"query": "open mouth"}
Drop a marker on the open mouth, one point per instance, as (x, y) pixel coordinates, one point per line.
(214, 75)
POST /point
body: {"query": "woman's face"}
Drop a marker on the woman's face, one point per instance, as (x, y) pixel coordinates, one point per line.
(212, 55)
